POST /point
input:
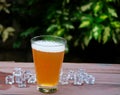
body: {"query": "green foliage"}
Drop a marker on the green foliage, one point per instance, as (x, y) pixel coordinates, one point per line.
(28, 18)
(4, 6)
(5, 32)
(77, 21)
(28, 32)
(84, 21)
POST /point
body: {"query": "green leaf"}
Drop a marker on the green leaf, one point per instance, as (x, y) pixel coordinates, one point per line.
(97, 6)
(86, 7)
(115, 24)
(96, 31)
(52, 27)
(65, 18)
(66, 13)
(103, 16)
(68, 1)
(112, 12)
(5, 36)
(4, 6)
(9, 29)
(83, 46)
(1, 7)
(59, 12)
(29, 31)
(87, 39)
(85, 23)
(106, 34)
(86, 17)
(1, 28)
(76, 42)
(68, 37)
(7, 32)
(60, 32)
(110, 0)
(117, 30)
(68, 26)
(6, 10)
(114, 38)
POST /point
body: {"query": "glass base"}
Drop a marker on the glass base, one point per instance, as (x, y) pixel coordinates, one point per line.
(47, 90)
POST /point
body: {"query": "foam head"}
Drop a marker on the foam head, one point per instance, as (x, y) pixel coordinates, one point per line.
(48, 46)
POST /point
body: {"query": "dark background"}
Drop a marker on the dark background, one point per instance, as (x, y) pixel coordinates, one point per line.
(108, 53)
(20, 18)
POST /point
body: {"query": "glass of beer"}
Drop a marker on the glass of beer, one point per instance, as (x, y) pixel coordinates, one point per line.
(48, 55)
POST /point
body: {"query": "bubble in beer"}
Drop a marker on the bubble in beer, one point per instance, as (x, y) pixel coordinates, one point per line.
(48, 46)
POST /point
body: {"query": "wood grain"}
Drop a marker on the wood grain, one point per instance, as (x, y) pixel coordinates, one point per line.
(107, 80)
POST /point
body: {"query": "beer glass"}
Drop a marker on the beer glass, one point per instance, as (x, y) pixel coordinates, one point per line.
(48, 55)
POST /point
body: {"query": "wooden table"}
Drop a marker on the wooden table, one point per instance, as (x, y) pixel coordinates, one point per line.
(107, 80)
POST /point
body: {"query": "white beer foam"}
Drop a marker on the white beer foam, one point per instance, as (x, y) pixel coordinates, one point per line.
(48, 46)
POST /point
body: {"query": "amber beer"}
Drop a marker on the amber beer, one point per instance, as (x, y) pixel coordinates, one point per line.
(48, 57)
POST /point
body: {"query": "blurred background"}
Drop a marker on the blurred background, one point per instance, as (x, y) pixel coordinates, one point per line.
(91, 28)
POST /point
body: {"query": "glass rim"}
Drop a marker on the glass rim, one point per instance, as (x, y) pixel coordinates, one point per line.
(57, 37)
